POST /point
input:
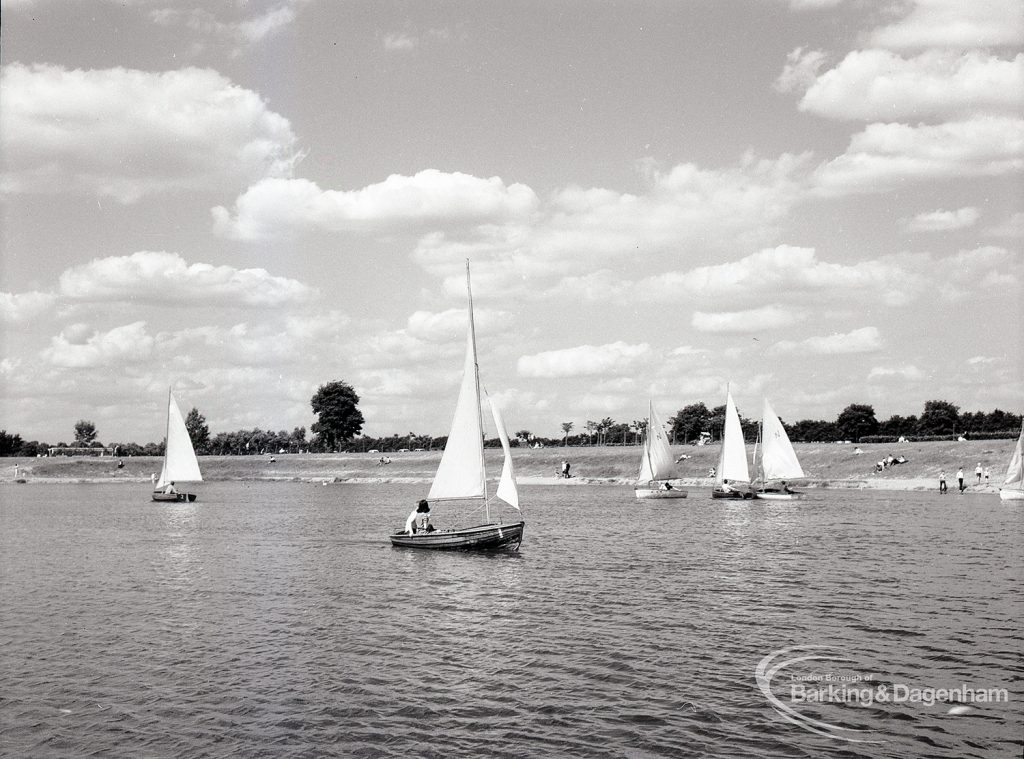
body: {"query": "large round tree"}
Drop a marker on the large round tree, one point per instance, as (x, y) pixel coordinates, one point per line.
(338, 418)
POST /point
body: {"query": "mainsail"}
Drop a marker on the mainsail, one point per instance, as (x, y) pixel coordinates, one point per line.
(180, 462)
(461, 472)
(732, 463)
(656, 463)
(778, 459)
(1015, 472)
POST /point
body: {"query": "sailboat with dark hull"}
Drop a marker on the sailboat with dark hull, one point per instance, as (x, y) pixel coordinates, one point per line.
(732, 477)
(462, 473)
(180, 462)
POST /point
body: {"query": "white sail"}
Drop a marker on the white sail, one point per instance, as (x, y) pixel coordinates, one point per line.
(732, 463)
(656, 463)
(461, 471)
(1015, 472)
(778, 459)
(507, 490)
(180, 462)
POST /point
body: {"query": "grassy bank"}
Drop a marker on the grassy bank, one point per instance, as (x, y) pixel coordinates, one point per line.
(825, 465)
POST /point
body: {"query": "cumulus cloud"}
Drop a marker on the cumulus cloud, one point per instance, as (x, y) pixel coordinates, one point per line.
(953, 23)
(124, 134)
(863, 340)
(584, 361)
(801, 70)
(22, 307)
(79, 347)
(160, 277)
(879, 84)
(883, 156)
(428, 197)
(942, 221)
(746, 322)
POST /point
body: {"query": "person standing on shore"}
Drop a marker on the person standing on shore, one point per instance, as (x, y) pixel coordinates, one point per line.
(960, 478)
(987, 475)
(977, 472)
(942, 482)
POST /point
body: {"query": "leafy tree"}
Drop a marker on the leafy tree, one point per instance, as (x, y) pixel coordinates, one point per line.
(85, 433)
(339, 418)
(814, 431)
(898, 425)
(689, 422)
(857, 420)
(939, 418)
(195, 423)
(10, 445)
(566, 429)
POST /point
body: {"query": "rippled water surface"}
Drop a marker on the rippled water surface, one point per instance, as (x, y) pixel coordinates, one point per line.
(275, 619)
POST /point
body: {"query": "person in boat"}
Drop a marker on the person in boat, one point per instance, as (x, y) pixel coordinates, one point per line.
(170, 489)
(727, 488)
(667, 485)
(419, 519)
(786, 488)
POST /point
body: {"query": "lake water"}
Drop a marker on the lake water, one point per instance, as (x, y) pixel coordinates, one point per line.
(275, 620)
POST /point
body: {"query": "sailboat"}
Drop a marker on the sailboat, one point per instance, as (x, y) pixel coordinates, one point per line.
(732, 478)
(1013, 485)
(777, 461)
(180, 462)
(462, 474)
(656, 463)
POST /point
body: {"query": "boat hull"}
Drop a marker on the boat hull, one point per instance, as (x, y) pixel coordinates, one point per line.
(732, 495)
(1011, 495)
(484, 537)
(645, 494)
(174, 497)
(778, 495)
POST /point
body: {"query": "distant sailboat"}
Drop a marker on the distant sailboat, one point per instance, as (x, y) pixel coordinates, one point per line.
(778, 461)
(732, 478)
(1013, 485)
(462, 474)
(180, 462)
(656, 463)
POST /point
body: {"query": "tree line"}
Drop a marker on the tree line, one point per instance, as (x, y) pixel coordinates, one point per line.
(339, 424)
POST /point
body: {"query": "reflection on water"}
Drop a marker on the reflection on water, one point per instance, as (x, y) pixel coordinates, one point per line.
(275, 619)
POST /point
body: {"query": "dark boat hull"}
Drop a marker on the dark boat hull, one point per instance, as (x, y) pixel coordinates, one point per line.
(483, 537)
(174, 497)
(731, 495)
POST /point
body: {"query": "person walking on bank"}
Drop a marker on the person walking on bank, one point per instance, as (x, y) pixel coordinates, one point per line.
(977, 471)
(960, 479)
(942, 483)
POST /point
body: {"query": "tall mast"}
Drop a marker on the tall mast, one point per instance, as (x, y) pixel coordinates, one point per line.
(476, 382)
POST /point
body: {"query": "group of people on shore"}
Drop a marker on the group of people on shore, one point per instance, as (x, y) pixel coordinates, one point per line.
(979, 473)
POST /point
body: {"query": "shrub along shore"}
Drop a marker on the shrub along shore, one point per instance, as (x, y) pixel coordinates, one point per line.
(825, 464)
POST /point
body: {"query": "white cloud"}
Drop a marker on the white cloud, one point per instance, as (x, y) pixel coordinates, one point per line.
(22, 307)
(954, 23)
(746, 322)
(801, 70)
(399, 42)
(879, 84)
(884, 156)
(941, 221)
(78, 347)
(910, 372)
(863, 340)
(162, 277)
(274, 206)
(124, 134)
(584, 361)
(247, 29)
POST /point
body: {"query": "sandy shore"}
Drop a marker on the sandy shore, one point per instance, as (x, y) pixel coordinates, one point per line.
(825, 465)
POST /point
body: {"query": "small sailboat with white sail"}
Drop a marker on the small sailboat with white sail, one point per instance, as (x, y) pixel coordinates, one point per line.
(777, 462)
(656, 465)
(180, 462)
(732, 477)
(1012, 488)
(462, 473)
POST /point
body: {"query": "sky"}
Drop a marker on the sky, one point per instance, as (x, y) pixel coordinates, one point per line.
(815, 201)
